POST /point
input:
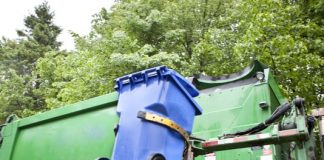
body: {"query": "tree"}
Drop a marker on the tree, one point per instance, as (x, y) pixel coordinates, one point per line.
(284, 35)
(134, 36)
(40, 27)
(211, 37)
(18, 81)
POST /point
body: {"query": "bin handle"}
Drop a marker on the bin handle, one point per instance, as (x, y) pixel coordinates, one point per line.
(187, 154)
(138, 77)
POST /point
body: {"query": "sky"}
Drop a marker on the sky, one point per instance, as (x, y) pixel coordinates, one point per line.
(74, 15)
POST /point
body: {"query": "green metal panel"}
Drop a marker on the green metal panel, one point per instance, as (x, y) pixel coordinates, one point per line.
(81, 131)
(232, 110)
(236, 107)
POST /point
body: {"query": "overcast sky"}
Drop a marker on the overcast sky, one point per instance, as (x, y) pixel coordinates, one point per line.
(75, 15)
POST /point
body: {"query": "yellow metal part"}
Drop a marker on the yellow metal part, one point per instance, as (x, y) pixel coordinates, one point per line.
(187, 155)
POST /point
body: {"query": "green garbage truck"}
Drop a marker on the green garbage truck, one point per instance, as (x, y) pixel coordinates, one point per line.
(244, 117)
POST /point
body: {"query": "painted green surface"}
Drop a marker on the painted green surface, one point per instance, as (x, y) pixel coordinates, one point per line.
(81, 131)
(232, 110)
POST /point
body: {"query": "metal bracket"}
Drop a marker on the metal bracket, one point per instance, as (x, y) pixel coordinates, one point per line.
(188, 155)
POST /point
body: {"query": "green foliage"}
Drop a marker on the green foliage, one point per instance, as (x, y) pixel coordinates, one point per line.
(13, 94)
(212, 37)
(19, 84)
(283, 35)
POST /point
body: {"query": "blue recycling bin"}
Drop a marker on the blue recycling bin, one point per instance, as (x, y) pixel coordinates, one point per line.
(161, 91)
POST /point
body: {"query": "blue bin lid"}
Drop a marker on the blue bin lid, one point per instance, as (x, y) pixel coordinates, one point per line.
(142, 76)
(187, 85)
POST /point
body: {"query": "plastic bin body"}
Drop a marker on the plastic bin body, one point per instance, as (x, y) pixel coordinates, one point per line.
(160, 91)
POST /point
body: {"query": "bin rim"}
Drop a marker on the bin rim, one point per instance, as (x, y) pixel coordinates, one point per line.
(186, 87)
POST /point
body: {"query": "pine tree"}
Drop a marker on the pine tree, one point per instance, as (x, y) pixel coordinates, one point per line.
(18, 60)
(40, 27)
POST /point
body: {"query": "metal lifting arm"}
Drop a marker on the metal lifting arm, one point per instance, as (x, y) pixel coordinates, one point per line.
(276, 136)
